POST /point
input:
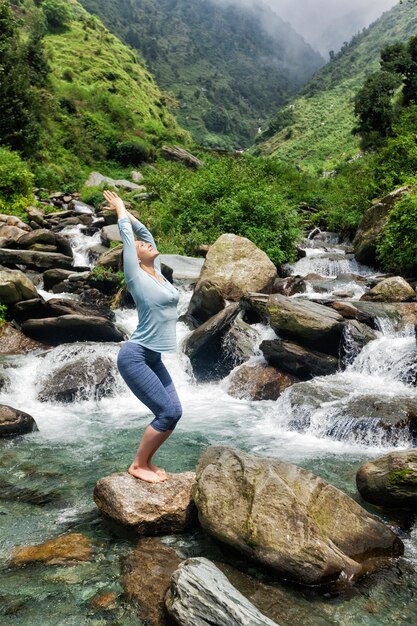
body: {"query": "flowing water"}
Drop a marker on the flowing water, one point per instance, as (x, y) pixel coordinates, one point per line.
(326, 425)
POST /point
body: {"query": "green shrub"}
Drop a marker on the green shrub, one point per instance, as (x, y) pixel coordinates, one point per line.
(57, 13)
(3, 313)
(92, 196)
(16, 182)
(115, 244)
(132, 152)
(397, 244)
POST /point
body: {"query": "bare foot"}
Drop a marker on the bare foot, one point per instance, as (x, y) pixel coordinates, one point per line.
(158, 470)
(145, 474)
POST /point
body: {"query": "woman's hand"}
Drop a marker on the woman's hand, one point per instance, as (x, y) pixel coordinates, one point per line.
(115, 203)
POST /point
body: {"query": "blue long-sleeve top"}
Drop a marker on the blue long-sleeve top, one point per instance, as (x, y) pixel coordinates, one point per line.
(156, 302)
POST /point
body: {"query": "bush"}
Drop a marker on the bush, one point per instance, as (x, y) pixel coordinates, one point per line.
(132, 152)
(16, 182)
(57, 13)
(92, 196)
(3, 313)
(397, 245)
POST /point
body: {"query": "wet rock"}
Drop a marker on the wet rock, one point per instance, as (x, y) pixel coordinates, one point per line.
(297, 360)
(45, 237)
(355, 337)
(206, 301)
(112, 259)
(82, 378)
(70, 328)
(204, 346)
(15, 286)
(39, 308)
(54, 277)
(13, 341)
(393, 289)
(14, 493)
(236, 266)
(15, 422)
(305, 322)
(146, 508)
(289, 286)
(146, 576)
(201, 595)
(390, 480)
(350, 312)
(69, 549)
(287, 519)
(239, 341)
(258, 381)
(372, 225)
(35, 260)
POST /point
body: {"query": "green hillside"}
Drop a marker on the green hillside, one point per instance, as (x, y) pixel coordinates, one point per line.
(314, 130)
(228, 67)
(97, 95)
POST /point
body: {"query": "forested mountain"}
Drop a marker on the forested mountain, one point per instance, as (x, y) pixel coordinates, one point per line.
(71, 94)
(228, 67)
(314, 130)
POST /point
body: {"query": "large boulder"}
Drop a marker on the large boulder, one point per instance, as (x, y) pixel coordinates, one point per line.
(287, 519)
(201, 595)
(204, 346)
(236, 265)
(258, 381)
(393, 289)
(112, 259)
(81, 378)
(15, 286)
(15, 422)
(372, 224)
(35, 260)
(147, 508)
(146, 576)
(110, 233)
(390, 480)
(297, 360)
(306, 322)
(9, 235)
(70, 328)
(96, 179)
(13, 341)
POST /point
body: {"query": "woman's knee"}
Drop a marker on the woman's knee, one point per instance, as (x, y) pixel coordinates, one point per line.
(167, 419)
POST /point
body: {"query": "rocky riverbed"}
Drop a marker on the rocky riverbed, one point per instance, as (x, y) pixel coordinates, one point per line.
(291, 496)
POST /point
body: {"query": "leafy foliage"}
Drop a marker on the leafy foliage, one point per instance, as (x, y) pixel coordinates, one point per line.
(397, 246)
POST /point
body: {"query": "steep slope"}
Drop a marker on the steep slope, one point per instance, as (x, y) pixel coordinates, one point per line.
(99, 94)
(229, 67)
(314, 130)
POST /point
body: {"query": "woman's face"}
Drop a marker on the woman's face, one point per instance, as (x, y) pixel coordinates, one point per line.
(146, 252)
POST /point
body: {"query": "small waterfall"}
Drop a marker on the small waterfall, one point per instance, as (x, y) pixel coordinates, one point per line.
(82, 245)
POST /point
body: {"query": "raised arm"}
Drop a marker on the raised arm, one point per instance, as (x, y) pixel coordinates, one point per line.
(130, 257)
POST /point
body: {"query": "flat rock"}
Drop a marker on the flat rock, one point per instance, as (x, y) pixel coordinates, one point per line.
(390, 480)
(306, 322)
(146, 508)
(298, 361)
(35, 260)
(201, 595)
(15, 422)
(237, 265)
(286, 519)
(69, 549)
(70, 328)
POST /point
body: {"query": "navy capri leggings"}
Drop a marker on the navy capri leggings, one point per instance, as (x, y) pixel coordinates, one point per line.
(145, 374)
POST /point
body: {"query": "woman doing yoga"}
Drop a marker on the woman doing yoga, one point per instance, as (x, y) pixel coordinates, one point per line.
(139, 359)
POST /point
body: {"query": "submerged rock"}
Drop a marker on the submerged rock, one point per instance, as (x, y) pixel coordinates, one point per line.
(393, 289)
(306, 322)
(69, 549)
(146, 576)
(201, 595)
(258, 381)
(236, 266)
(287, 519)
(147, 508)
(390, 480)
(15, 422)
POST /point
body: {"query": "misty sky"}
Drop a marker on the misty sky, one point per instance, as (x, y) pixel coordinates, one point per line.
(325, 24)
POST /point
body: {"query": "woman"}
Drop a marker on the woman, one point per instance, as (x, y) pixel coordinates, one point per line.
(139, 359)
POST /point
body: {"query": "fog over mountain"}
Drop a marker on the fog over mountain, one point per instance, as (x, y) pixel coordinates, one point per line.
(325, 24)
